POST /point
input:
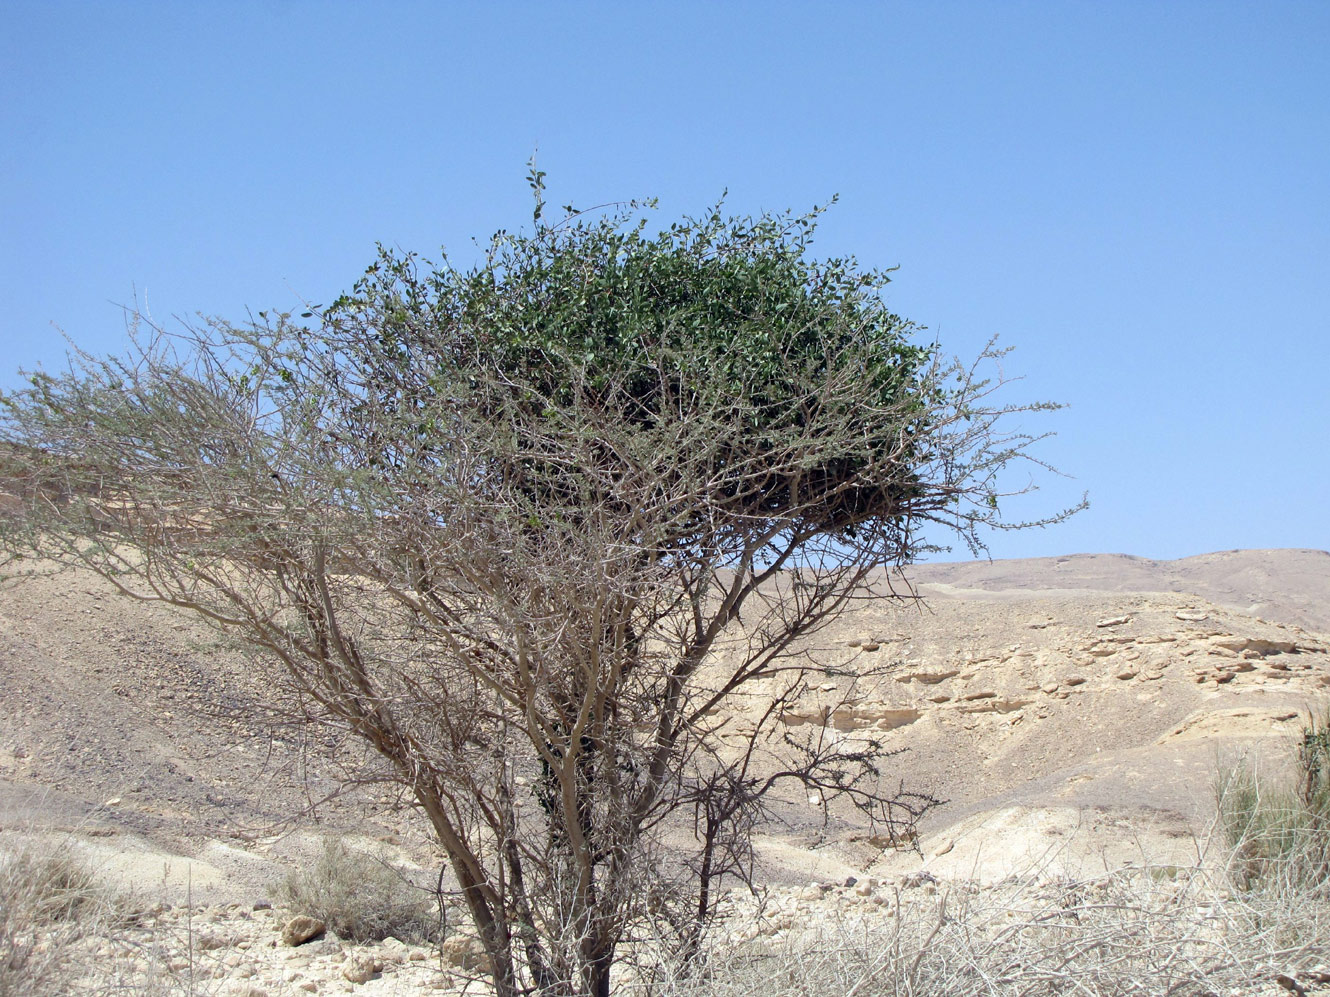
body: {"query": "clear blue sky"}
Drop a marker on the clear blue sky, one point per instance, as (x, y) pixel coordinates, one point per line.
(1136, 196)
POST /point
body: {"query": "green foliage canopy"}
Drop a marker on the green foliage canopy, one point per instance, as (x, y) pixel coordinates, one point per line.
(788, 361)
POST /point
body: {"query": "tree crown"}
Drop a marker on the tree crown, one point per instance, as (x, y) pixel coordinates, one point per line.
(719, 330)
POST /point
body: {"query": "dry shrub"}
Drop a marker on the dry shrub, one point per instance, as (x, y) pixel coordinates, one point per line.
(1276, 820)
(1179, 932)
(49, 899)
(361, 898)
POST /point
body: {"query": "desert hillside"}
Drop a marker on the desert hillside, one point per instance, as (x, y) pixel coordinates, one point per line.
(1072, 711)
(1088, 689)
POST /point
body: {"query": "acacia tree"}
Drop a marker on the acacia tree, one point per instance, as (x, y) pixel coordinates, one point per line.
(549, 532)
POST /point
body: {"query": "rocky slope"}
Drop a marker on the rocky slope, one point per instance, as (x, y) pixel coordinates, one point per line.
(1073, 711)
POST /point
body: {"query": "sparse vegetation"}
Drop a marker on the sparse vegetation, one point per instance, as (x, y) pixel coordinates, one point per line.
(1181, 932)
(1124, 933)
(362, 898)
(49, 899)
(1275, 816)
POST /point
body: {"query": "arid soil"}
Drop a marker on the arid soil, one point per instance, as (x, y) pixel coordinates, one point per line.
(1073, 711)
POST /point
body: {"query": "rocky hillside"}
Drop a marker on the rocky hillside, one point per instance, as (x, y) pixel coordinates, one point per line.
(1072, 711)
(1047, 714)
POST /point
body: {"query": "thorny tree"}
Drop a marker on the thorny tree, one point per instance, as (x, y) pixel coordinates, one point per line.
(501, 522)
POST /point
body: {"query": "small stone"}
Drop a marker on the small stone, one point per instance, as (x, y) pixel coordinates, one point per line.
(1192, 615)
(850, 881)
(1126, 675)
(1152, 676)
(871, 646)
(302, 928)
(464, 952)
(208, 942)
(1049, 687)
(1074, 680)
(360, 968)
(1114, 621)
(945, 847)
(262, 905)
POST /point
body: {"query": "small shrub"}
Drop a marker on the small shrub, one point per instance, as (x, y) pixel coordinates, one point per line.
(1314, 766)
(1128, 932)
(360, 897)
(1277, 827)
(48, 901)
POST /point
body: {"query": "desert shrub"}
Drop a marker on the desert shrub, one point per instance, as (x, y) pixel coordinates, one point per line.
(361, 897)
(526, 527)
(1128, 932)
(1275, 821)
(49, 899)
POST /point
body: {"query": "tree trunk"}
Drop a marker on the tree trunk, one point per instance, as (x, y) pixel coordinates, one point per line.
(598, 971)
(489, 920)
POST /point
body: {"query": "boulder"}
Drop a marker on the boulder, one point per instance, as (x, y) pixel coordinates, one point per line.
(302, 928)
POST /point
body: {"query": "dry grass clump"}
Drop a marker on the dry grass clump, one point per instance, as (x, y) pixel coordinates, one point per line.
(1183, 933)
(1254, 918)
(49, 900)
(361, 898)
(1277, 825)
